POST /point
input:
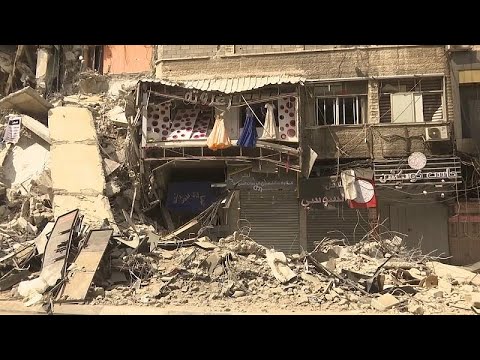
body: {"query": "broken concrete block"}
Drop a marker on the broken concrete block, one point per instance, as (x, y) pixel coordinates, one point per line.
(416, 309)
(303, 299)
(384, 302)
(112, 188)
(445, 286)
(110, 166)
(117, 116)
(98, 291)
(238, 294)
(473, 299)
(30, 287)
(23, 225)
(457, 273)
(218, 271)
(277, 262)
(311, 279)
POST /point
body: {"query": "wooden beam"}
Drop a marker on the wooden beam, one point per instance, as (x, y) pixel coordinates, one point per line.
(181, 230)
(167, 218)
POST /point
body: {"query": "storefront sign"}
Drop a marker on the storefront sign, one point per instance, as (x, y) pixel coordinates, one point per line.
(436, 171)
(262, 182)
(321, 192)
(204, 98)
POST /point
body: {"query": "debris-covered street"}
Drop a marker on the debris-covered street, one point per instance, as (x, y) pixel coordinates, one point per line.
(114, 194)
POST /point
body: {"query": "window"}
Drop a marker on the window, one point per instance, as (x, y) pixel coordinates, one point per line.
(411, 100)
(340, 110)
(341, 103)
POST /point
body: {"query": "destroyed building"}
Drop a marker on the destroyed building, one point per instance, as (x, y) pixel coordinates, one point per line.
(237, 150)
(367, 142)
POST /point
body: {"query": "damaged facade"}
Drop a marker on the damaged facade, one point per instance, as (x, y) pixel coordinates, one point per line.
(263, 158)
(344, 136)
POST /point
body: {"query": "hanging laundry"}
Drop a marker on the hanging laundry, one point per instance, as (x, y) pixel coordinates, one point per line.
(270, 131)
(248, 138)
(348, 183)
(366, 197)
(218, 138)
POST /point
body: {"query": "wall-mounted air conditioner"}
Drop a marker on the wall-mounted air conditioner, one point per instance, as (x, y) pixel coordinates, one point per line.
(459, 47)
(436, 133)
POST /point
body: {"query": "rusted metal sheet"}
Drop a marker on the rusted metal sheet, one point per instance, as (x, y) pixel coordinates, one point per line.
(58, 247)
(230, 85)
(85, 266)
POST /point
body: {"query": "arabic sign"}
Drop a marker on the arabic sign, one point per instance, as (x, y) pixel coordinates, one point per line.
(435, 171)
(204, 98)
(262, 182)
(189, 196)
(12, 131)
(322, 192)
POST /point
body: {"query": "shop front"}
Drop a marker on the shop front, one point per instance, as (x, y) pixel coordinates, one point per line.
(414, 194)
(328, 214)
(268, 209)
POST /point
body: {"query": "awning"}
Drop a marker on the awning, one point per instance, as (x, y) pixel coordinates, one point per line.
(230, 85)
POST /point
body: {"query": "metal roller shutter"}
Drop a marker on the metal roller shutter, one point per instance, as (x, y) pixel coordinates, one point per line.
(273, 217)
(336, 225)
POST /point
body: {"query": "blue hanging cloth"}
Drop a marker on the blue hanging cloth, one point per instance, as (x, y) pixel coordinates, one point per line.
(249, 135)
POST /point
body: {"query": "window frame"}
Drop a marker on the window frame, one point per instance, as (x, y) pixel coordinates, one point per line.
(337, 100)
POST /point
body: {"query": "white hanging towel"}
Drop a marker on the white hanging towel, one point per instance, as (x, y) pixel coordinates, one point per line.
(270, 130)
(348, 183)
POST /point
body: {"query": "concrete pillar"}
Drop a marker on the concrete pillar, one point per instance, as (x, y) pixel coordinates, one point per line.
(303, 235)
(43, 57)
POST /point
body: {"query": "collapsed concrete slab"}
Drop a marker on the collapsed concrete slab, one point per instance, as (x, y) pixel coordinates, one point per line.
(27, 101)
(76, 166)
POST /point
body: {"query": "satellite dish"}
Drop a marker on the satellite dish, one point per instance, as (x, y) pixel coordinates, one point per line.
(417, 160)
(365, 191)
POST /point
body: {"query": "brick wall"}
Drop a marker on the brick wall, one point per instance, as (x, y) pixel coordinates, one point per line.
(258, 49)
(185, 51)
(351, 62)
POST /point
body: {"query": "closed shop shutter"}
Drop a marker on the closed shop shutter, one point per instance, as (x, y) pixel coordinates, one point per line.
(351, 224)
(273, 217)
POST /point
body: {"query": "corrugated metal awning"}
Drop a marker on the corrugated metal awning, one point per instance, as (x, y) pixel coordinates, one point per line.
(230, 85)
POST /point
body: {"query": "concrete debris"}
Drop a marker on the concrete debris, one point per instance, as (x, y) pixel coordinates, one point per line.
(278, 263)
(462, 276)
(416, 309)
(117, 116)
(110, 166)
(384, 302)
(28, 102)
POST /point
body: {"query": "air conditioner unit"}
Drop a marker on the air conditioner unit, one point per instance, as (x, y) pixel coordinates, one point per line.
(436, 133)
(459, 47)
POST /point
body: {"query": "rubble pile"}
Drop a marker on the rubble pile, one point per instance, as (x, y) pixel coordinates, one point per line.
(333, 277)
